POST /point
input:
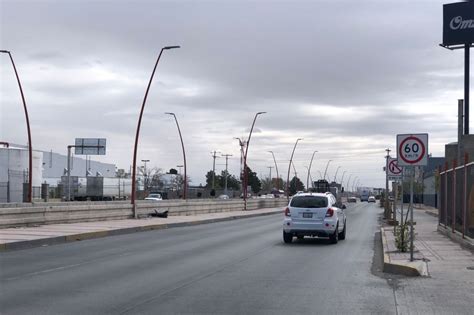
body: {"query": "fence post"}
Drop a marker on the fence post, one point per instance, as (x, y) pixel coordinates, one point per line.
(438, 195)
(446, 194)
(453, 219)
(464, 208)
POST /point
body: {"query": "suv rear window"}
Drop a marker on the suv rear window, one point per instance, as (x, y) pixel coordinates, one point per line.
(309, 202)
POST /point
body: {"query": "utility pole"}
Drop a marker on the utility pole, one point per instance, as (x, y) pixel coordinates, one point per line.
(226, 173)
(386, 183)
(145, 176)
(214, 156)
(276, 168)
(242, 145)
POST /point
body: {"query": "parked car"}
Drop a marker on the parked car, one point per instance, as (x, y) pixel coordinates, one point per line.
(371, 199)
(352, 199)
(155, 197)
(314, 214)
(223, 197)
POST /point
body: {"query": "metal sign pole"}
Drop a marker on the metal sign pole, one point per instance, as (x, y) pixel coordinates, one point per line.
(411, 212)
(401, 204)
(466, 88)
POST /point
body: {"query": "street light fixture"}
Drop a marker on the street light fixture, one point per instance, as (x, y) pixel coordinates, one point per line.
(245, 160)
(30, 146)
(289, 167)
(184, 155)
(326, 170)
(276, 167)
(309, 170)
(134, 167)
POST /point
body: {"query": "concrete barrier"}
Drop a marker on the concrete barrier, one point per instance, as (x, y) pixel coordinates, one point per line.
(31, 214)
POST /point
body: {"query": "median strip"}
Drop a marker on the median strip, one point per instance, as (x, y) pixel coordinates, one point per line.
(28, 237)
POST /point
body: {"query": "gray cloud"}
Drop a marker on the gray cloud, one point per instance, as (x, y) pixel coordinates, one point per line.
(345, 75)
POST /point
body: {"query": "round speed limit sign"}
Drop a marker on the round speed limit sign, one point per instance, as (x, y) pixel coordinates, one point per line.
(412, 149)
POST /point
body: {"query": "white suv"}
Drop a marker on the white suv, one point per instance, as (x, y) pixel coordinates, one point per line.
(314, 214)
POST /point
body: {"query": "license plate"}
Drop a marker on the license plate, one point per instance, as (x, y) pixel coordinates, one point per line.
(307, 215)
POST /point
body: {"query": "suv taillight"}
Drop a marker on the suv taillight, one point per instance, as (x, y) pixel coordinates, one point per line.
(329, 213)
(287, 212)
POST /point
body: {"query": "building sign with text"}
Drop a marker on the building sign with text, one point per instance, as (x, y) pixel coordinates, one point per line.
(458, 23)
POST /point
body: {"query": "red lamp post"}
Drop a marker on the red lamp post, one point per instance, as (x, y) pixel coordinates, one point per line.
(245, 160)
(184, 155)
(134, 167)
(30, 146)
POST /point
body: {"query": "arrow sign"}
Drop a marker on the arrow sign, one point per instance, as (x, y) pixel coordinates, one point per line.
(412, 149)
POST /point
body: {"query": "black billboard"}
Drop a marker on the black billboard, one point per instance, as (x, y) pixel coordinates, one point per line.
(458, 23)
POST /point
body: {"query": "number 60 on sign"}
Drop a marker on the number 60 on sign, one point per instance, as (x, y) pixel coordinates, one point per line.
(412, 149)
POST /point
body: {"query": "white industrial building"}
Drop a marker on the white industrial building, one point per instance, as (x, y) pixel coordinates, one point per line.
(48, 167)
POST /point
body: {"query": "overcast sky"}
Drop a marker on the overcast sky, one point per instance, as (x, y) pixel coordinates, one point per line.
(346, 76)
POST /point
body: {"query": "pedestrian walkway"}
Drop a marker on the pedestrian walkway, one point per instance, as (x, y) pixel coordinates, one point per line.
(25, 237)
(434, 252)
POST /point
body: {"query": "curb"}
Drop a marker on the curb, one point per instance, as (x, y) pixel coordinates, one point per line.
(411, 269)
(122, 231)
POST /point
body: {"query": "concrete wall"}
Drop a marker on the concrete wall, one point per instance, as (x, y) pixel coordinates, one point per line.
(12, 215)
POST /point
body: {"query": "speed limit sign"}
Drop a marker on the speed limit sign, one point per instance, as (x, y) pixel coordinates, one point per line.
(412, 149)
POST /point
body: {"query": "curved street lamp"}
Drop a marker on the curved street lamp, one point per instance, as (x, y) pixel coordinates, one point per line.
(311, 177)
(342, 178)
(245, 160)
(353, 181)
(336, 173)
(185, 185)
(289, 167)
(276, 167)
(134, 167)
(350, 175)
(309, 170)
(326, 170)
(30, 146)
(320, 175)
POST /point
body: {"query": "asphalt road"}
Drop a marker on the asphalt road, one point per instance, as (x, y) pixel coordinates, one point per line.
(235, 267)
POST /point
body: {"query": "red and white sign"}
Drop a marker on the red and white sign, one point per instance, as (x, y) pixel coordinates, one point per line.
(393, 169)
(412, 149)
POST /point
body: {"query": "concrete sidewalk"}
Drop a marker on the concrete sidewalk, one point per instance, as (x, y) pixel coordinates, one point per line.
(433, 251)
(27, 237)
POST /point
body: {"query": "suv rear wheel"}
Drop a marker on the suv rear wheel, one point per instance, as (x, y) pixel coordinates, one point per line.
(335, 236)
(287, 237)
(342, 235)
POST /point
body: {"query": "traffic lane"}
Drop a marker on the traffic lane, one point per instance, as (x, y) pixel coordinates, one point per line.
(186, 269)
(143, 262)
(305, 277)
(89, 251)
